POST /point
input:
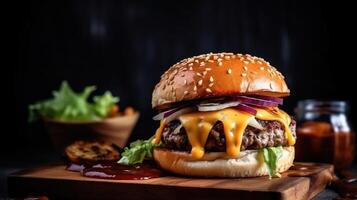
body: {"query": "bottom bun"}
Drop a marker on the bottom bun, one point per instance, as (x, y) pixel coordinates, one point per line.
(249, 163)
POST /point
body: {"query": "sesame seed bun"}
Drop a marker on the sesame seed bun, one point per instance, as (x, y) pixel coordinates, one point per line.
(219, 74)
(249, 163)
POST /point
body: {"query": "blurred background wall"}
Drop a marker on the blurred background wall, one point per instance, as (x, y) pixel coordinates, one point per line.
(124, 46)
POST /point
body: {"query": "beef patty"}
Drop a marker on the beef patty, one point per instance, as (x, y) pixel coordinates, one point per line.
(175, 137)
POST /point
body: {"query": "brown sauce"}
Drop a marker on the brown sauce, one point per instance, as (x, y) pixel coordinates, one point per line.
(317, 142)
(115, 171)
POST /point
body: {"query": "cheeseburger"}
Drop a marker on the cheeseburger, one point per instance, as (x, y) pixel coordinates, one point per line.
(219, 117)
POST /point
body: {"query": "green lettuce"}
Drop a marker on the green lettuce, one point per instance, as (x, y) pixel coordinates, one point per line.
(271, 155)
(67, 105)
(137, 152)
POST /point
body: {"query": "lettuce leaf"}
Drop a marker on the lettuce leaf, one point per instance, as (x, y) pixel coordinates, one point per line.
(67, 105)
(271, 155)
(103, 104)
(138, 152)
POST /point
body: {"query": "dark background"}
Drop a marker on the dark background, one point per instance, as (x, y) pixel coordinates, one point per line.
(124, 47)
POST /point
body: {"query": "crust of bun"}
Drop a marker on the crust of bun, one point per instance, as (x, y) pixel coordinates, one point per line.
(250, 163)
(222, 74)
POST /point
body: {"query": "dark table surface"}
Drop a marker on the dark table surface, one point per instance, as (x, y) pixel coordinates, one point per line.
(32, 159)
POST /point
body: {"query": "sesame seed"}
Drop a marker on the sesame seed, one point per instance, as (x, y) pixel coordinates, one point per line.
(185, 82)
(245, 68)
(182, 75)
(234, 56)
(191, 68)
(196, 61)
(219, 59)
(208, 69)
(185, 92)
(215, 57)
(241, 58)
(199, 74)
(207, 57)
(244, 74)
(202, 64)
(204, 73)
(220, 64)
(222, 55)
(229, 71)
(200, 82)
(211, 61)
(262, 68)
(208, 90)
(190, 64)
(211, 79)
(246, 62)
(227, 57)
(210, 85)
(195, 88)
(259, 62)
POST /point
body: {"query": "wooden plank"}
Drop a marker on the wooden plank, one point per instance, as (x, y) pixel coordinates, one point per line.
(55, 181)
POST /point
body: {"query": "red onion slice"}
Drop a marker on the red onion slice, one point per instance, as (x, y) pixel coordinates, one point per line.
(239, 102)
(247, 109)
(179, 112)
(272, 99)
(255, 101)
(216, 106)
(164, 114)
(173, 113)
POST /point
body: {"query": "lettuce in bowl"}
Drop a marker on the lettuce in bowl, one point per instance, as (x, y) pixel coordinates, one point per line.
(68, 105)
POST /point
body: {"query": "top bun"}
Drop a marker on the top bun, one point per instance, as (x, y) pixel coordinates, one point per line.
(215, 75)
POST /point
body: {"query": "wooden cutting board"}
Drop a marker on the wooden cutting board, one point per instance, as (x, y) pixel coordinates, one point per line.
(55, 181)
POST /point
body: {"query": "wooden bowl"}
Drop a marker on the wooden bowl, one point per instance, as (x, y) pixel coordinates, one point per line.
(115, 130)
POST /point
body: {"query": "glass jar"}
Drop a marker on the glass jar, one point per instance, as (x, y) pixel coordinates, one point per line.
(324, 133)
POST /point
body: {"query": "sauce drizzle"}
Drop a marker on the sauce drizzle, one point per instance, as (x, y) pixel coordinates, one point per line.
(113, 170)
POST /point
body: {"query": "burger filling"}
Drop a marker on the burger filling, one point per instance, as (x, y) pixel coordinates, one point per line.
(175, 137)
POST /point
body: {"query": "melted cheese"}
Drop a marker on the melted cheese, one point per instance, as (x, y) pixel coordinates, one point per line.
(158, 132)
(199, 124)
